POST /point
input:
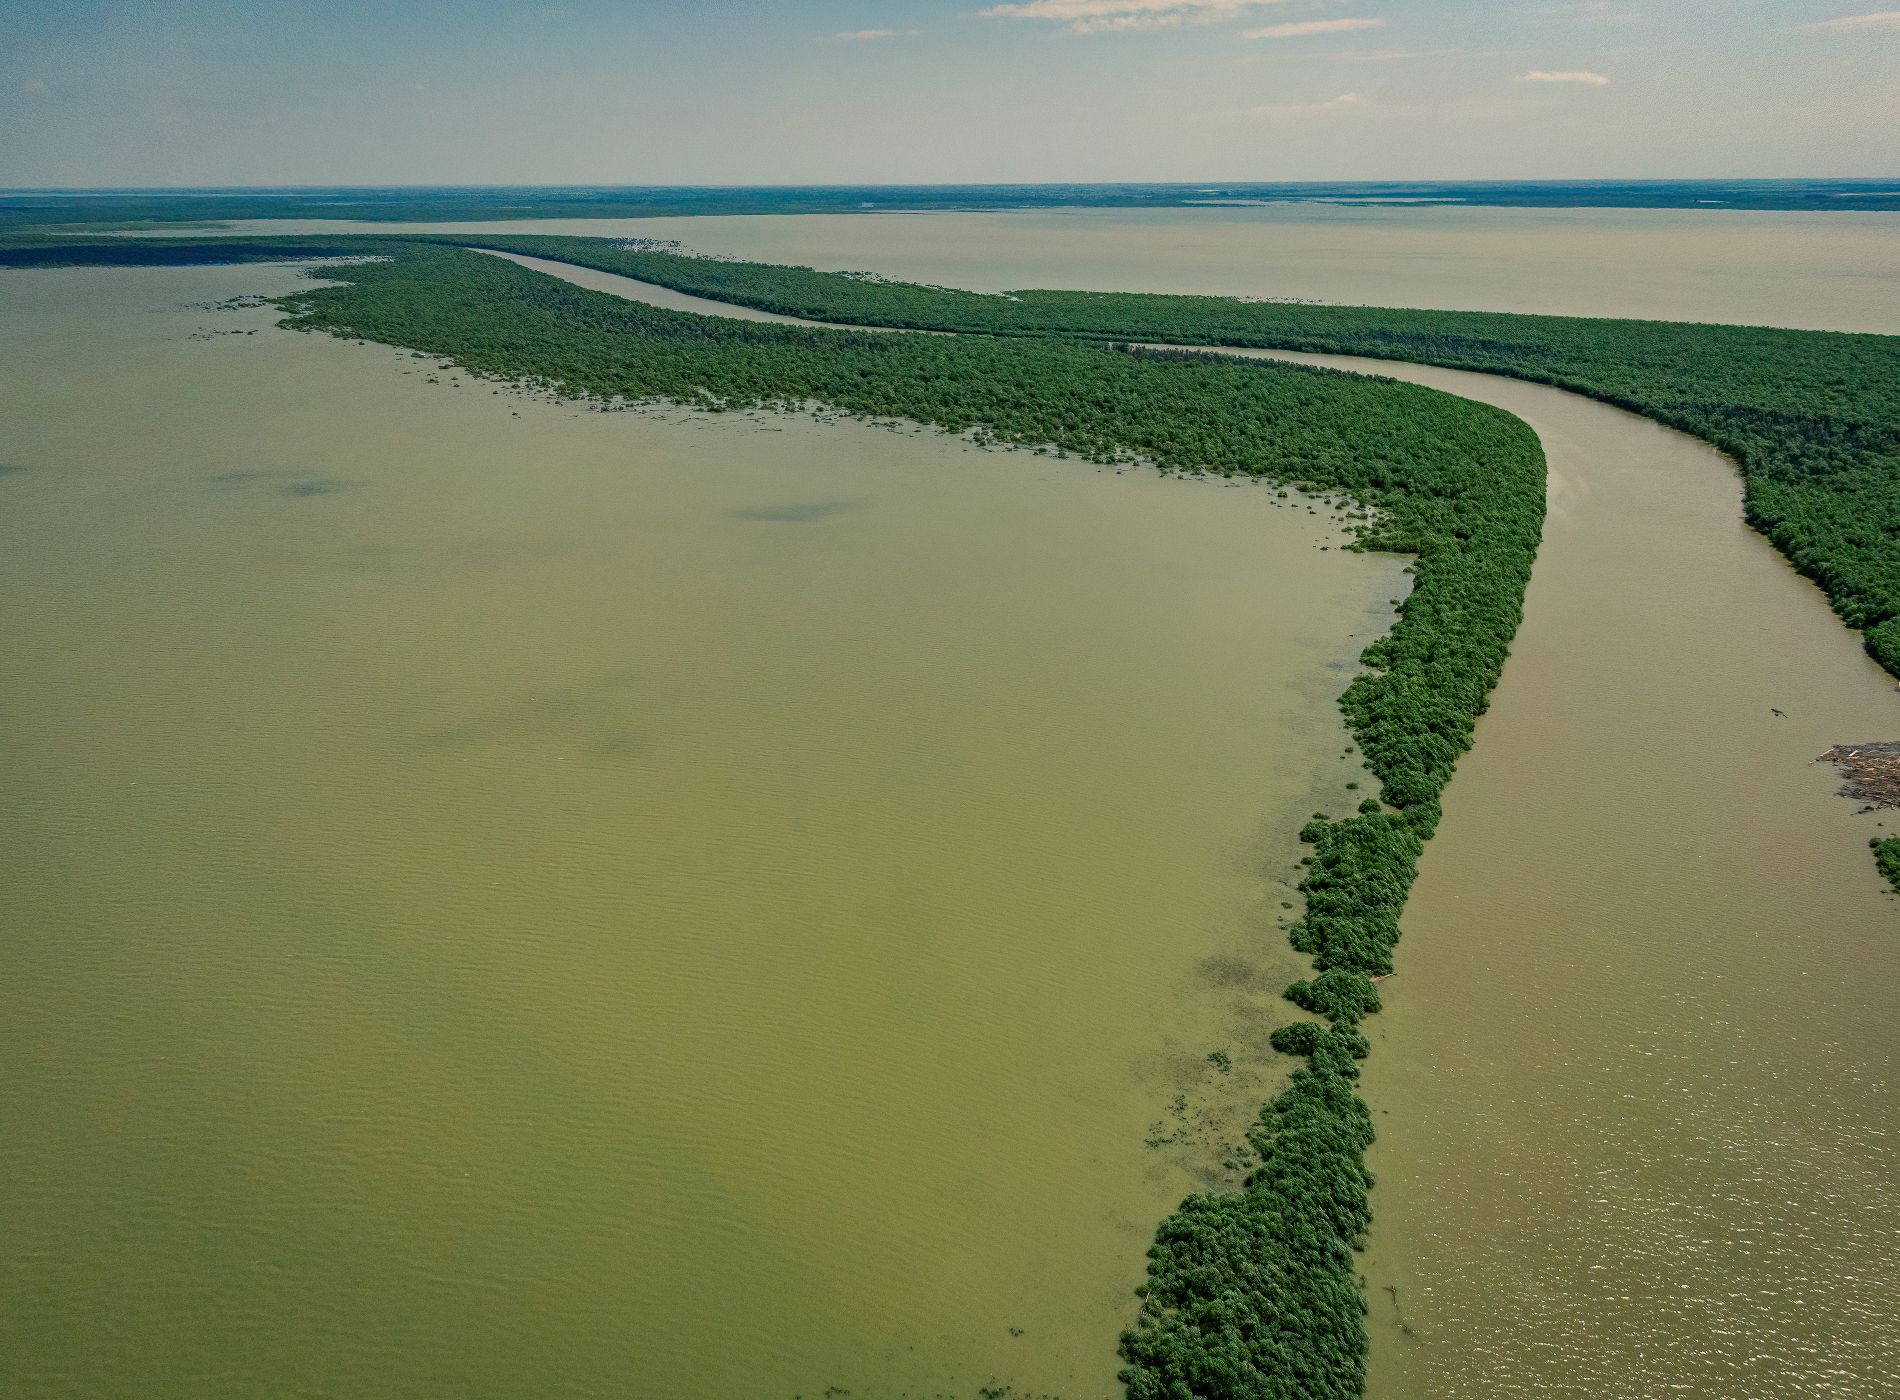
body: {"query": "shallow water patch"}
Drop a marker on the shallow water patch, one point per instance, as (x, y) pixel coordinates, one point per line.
(795, 512)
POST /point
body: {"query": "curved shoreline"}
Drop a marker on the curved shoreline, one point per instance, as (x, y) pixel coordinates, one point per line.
(1358, 882)
(1253, 1291)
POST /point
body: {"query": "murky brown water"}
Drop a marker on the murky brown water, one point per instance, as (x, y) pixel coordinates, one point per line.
(603, 904)
(1832, 271)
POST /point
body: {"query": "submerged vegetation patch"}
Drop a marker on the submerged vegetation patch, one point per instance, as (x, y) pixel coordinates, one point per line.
(794, 512)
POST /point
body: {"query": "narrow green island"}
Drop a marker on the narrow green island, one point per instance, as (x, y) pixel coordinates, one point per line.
(1253, 1293)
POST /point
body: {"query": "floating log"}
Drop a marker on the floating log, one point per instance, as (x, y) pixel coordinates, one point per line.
(1869, 772)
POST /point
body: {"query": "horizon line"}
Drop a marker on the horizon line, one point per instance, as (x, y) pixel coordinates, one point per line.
(6, 190)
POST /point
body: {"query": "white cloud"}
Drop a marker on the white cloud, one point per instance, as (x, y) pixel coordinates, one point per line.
(1300, 29)
(1396, 55)
(1300, 109)
(1879, 19)
(867, 35)
(35, 87)
(1538, 75)
(1099, 16)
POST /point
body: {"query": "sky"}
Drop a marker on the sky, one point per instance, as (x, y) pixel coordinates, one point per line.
(98, 93)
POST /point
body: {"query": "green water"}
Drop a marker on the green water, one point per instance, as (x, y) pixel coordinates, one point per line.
(504, 900)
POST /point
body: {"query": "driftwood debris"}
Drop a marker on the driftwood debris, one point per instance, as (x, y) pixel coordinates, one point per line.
(1869, 772)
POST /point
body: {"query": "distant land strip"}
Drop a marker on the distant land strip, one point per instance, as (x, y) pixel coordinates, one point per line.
(464, 203)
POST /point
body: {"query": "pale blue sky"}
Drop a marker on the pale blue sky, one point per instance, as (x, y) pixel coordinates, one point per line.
(199, 92)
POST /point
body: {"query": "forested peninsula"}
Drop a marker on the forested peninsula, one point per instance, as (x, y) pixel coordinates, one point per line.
(1251, 1293)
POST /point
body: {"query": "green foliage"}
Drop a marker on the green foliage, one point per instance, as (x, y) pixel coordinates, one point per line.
(1344, 998)
(1253, 1294)
(1887, 858)
(1356, 884)
(1297, 1037)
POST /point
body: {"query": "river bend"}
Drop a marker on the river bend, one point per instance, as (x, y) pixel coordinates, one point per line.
(1634, 1085)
